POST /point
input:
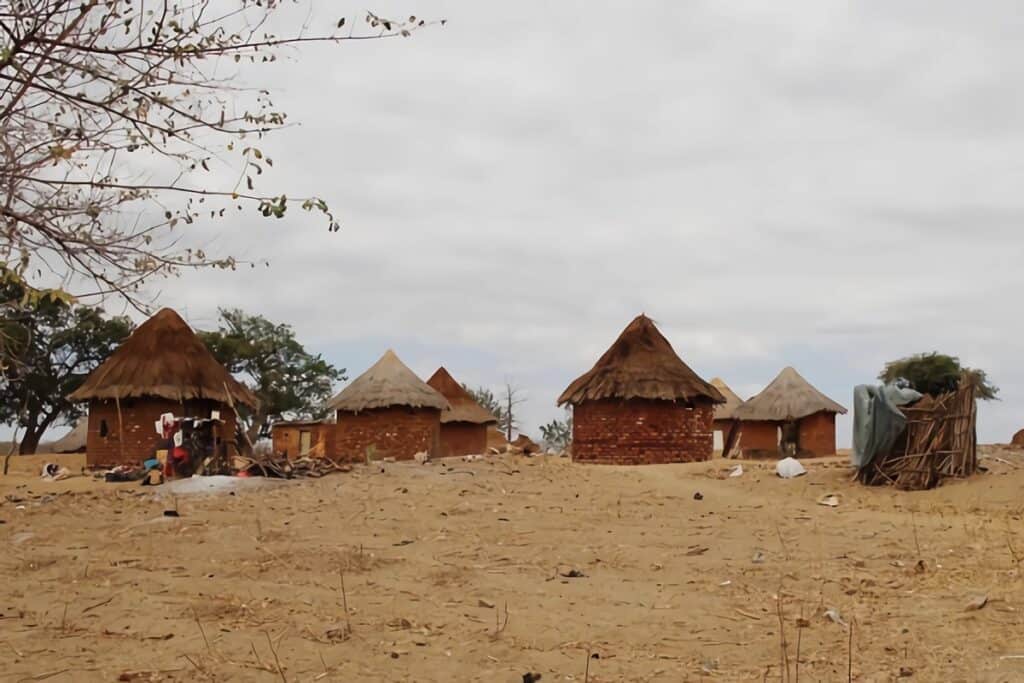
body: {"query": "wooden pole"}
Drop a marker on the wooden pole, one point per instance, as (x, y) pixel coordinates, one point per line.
(120, 427)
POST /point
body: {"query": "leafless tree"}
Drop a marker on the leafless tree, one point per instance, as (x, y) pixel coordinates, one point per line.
(112, 111)
(512, 398)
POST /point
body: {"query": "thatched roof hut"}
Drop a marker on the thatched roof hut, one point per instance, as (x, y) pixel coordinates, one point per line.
(727, 410)
(462, 407)
(788, 397)
(641, 364)
(73, 441)
(164, 358)
(389, 382)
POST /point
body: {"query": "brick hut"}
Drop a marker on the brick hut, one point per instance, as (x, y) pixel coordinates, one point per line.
(641, 404)
(789, 417)
(725, 426)
(299, 438)
(464, 423)
(387, 410)
(163, 367)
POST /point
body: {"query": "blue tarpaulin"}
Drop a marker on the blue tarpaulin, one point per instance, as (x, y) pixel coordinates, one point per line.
(877, 420)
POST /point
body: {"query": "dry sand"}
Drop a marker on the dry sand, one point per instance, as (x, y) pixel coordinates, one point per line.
(98, 584)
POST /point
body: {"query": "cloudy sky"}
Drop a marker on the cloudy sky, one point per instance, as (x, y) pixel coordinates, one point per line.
(828, 185)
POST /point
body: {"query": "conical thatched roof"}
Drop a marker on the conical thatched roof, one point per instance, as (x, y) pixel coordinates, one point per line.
(788, 397)
(727, 410)
(388, 383)
(640, 364)
(164, 358)
(462, 406)
(73, 440)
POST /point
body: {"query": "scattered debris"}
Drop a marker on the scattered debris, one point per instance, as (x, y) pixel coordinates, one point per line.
(976, 603)
(758, 557)
(280, 467)
(485, 603)
(696, 550)
(529, 677)
(829, 500)
(788, 468)
(171, 513)
(736, 471)
(833, 615)
(422, 457)
(698, 496)
(572, 574)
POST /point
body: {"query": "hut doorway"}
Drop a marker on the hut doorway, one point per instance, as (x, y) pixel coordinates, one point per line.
(719, 444)
(305, 442)
(789, 438)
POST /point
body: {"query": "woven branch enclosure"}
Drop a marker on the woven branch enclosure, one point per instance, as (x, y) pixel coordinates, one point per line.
(939, 441)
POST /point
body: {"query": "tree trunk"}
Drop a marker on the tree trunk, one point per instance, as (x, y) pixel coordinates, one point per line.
(34, 433)
(30, 442)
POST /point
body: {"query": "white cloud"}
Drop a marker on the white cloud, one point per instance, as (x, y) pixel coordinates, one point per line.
(805, 184)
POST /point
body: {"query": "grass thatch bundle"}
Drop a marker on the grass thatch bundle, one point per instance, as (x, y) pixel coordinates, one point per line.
(788, 397)
(389, 382)
(640, 364)
(462, 407)
(727, 410)
(164, 358)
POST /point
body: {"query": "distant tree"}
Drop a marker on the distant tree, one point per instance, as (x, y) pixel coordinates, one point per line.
(289, 381)
(502, 406)
(935, 373)
(485, 397)
(557, 434)
(52, 346)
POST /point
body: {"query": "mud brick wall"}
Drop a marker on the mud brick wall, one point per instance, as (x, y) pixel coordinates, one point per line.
(398, 432)
(140, 440)
(287, 438)
(641, 432)
(463, 438)
(761, 436)
(817, 434)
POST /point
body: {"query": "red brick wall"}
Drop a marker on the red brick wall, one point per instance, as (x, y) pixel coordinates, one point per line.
(759, 436)
(463, 438)
(398, 432)
(817, 434)
(640, 432)
(137, 419)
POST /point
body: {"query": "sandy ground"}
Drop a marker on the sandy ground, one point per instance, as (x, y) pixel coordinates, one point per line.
(458, 572)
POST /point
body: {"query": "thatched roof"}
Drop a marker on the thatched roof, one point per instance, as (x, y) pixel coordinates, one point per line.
(388, 383)
(788, 397)
(726, 411)
(74, 440)
(640, 364)
(164, 358)
(462, 406)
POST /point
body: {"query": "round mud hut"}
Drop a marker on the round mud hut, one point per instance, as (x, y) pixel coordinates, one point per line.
(789, 417)
(387, 412)
(641, 404)
(464, 423)
(163, 367)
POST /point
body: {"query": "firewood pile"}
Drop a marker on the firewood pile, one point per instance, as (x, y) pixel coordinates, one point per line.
(939, 441)
(280, 467)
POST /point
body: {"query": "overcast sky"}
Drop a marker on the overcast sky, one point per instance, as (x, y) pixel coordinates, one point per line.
(827, 185)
